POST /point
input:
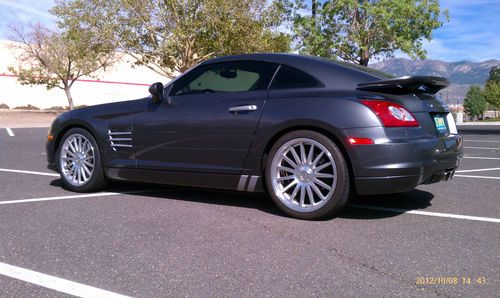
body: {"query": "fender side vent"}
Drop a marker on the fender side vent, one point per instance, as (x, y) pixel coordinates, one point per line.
(120, 139)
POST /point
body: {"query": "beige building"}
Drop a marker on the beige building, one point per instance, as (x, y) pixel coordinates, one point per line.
(118, 83)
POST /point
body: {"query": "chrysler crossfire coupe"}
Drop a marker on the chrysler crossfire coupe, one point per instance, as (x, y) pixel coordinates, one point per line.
(310, 132)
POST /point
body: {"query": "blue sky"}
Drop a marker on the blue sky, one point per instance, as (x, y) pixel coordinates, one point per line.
(472, 33)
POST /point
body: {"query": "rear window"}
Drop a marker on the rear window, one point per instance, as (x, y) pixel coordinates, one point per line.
(288, 78)
(368, 70)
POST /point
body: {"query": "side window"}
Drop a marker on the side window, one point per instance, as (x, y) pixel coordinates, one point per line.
(288, 78)
(226, 77)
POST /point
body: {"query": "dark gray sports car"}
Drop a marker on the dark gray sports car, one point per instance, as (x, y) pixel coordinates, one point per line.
(310, 132)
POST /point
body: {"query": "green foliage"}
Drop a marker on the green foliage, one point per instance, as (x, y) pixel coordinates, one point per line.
(474, 102)
(171, 36)
(358, 30)
(57, 59)
(492, 94)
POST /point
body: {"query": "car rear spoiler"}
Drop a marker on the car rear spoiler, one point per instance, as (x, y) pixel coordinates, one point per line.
(416, 84)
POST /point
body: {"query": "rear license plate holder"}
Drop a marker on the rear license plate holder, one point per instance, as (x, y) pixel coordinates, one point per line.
(440, 123)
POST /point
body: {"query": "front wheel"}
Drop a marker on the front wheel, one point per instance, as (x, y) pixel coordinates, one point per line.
(79, 162)
(307, 175)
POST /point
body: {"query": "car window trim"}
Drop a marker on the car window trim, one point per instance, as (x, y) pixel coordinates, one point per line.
(274, 75)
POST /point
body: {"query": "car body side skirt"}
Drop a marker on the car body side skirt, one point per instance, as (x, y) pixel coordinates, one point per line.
(244, 183)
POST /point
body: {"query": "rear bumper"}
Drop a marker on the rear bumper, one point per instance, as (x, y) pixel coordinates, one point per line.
(401, 166)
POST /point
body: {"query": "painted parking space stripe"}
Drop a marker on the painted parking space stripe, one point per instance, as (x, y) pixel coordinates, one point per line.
(482, 148)
(481, 157)
(30, 172)
(480, 177)
(9, 131)
(481, 141)
(54, 283)
(80, 196)
(477, 170)
(426, 213)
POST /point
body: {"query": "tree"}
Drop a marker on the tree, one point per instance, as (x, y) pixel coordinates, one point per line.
(492, 89)
(359, 30)
(57, 59)
(474, 102)
(171, 36)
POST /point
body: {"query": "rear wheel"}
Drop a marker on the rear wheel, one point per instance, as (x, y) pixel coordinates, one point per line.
(307, 175)
(79, 162)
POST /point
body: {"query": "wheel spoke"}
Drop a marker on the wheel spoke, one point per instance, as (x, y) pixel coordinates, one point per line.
(302, 196)
(321, 167)
(284, 178)
(322, 184)
(291, 162)
(295, 191)
(287, 169)
(315, 161)
(317, 191)
(84, 175)
(303, 155)
(88, 164)
(70, 147)
(323, 175)
(310, 155)
(289, 186)
(87, 171)
(310, 195)
(295, 155)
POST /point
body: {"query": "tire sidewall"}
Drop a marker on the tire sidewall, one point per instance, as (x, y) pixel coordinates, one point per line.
(341, 193)
(98, 180)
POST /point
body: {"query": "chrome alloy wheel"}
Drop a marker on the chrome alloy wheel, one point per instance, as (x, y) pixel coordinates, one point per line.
(303, 174)
(77, 160)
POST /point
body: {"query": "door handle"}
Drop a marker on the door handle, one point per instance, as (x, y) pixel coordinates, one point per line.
(246, 108)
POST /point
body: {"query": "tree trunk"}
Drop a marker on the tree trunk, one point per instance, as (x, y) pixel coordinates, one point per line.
(314, 8)
(70, 98)
(364, 57)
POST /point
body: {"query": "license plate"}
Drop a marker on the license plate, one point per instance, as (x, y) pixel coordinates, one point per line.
(440, 124)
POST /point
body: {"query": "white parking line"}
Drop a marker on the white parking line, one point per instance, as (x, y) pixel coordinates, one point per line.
(9, 131)
(30, 172)
(426, 213)
(485, 141)
(54, 283)
(481, 177)
(480, 157)
(90, 195)
(482, 148)
(477, 170)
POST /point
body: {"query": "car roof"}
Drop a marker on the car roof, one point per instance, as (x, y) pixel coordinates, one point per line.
(336, 75)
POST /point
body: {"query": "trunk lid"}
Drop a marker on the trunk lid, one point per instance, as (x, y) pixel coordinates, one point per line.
(417, 95)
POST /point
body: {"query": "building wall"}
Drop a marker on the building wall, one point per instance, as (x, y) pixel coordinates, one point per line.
(118, 83)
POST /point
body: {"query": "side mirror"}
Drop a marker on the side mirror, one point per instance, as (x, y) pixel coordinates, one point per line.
(156, 91)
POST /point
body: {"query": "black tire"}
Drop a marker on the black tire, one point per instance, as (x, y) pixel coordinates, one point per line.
(97, 180)
(339, 194)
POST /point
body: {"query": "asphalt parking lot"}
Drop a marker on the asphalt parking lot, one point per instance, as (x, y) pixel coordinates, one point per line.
(156, 241)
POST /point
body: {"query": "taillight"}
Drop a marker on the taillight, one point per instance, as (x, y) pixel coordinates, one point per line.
(391, 114)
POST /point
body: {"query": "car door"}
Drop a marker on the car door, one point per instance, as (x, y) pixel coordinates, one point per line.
(208, 122)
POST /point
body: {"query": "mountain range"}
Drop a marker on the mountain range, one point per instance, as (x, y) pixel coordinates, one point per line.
(462, 74)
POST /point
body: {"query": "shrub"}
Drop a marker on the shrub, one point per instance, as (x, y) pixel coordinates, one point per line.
(28, 107)
(4, 106)
(56, 108)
